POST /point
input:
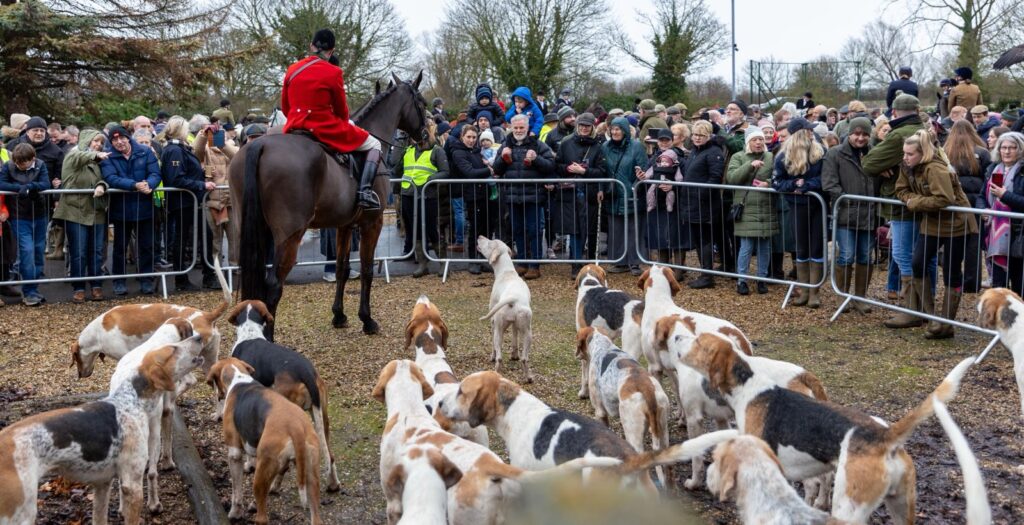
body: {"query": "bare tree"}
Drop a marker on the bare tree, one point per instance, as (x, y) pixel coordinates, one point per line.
(967, 25)
(685, 37)
(453, 68)
(882, 50)
(769, 77)
(534, 43)
(371, 38)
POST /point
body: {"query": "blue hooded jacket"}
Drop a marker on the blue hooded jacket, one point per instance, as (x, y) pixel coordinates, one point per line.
(531, 109)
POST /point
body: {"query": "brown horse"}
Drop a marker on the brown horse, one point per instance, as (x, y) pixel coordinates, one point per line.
(287, 183)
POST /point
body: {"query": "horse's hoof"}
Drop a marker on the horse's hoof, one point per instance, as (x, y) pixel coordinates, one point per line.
(340, 322)
(371, 327)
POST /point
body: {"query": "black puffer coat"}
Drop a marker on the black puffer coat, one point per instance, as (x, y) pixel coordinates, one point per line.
(585, 150)
(540, 168)
(468, 163)
(705, 165)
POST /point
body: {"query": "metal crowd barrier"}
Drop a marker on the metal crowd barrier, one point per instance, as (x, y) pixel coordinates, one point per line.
(920, 221)
(567, 229)
(384, 254)
(157, 230)
(675, 231)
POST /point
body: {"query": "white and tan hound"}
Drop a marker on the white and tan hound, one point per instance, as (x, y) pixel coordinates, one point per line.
(509, 305)
(94, 442)
(1003, 310)
(812, 437)
(427, 334)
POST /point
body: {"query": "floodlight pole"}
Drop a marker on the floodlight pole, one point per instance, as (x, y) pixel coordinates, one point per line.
(733, 49)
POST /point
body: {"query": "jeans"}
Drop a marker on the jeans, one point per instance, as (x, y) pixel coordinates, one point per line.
(459, 211)
(85, 249)
(31, 248)
(904, 235)
(764, 255)
(854, 247)
(527, 218)
(143, 230)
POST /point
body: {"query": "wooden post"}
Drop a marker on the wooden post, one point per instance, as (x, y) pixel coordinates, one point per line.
(202, 495)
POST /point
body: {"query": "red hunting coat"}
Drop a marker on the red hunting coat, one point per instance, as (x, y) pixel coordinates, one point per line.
(314, 100)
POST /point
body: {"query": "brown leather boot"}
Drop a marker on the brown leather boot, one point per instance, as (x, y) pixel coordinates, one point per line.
(843, 275)
(531, 274)
(950, 306)
(803, 275)
(861, 279)
(816, 271)
(911, 301)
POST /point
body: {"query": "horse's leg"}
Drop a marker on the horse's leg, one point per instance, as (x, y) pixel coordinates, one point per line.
(369, 235)
(285, 255)
(344, 246)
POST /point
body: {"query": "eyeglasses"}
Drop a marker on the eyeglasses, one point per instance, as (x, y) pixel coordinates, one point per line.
(1008, 147)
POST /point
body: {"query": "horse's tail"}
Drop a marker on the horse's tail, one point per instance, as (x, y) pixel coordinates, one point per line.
(255, 231)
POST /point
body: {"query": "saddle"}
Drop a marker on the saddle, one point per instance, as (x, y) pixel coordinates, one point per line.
(351, 161)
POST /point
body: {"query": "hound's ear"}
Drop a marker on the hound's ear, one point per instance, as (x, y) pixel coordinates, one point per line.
(417, 374)
(154, 368)
(444, 333)
(376, 87)
(76, 357)
(641, 283)
(662, 330)
(720, 367)
(493, 258)
(408, 333)
(990, 304)
(395, 78)
(728, 469)
(581, 343)
(382, 382)
(416, 81)
(248, 368)
(672, 282)
(445, 468)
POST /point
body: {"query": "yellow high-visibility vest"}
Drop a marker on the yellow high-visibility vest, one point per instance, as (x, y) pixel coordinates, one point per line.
(419, 170)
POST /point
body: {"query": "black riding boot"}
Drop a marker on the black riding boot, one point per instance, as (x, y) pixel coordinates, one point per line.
(367, 198)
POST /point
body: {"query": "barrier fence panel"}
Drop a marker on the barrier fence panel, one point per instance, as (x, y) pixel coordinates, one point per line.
(325, 255)
(919, 245)
(688, 225)
(544, 221)
(139, 236)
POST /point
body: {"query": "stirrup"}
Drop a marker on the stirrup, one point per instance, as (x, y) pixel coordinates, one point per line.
(367, 200)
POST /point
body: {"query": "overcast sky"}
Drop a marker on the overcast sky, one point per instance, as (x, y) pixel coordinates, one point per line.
(789, 30)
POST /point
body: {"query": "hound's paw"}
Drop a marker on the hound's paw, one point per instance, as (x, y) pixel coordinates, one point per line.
(692, 484)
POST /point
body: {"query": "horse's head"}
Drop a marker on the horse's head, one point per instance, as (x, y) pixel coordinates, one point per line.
(412, 119)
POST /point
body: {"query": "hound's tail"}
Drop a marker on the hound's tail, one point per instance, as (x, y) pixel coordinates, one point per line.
(978, 510)
(497, 308)
(215, 314)
(569, 467)
(898, 433)
(684, 451)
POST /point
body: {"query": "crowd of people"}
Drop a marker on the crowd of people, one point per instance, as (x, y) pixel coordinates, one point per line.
(960, 154)
(146, 224)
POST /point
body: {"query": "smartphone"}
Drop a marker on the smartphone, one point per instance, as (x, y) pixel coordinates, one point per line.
(218, 138)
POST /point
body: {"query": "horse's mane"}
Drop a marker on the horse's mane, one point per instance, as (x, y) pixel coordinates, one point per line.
(375, 101)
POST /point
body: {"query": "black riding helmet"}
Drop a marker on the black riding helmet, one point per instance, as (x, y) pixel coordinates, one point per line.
(324, 40)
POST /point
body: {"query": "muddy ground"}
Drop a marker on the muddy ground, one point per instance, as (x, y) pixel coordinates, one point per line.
(862, 364)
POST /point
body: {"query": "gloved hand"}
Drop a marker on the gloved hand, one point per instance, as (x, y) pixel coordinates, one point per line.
(24, 192)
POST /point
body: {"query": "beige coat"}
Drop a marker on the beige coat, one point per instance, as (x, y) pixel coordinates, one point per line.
(215, 163)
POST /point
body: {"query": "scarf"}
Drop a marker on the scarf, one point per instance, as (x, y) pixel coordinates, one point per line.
(998, 238)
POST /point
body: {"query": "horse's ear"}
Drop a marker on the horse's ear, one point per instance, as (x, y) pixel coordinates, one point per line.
(376, 87)
(417, 80)
(395, 78)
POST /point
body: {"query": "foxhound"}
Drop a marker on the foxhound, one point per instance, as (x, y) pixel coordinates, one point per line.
(284, 370)
(487, 482)
(94, 442)
(614, 311)
(510, 305)
(421, 480)
(1003, 310)
(538, 436)
(746, 469)
(624, 389)
(427, 334)
(260, 423)
(118, 330)
(812, 437)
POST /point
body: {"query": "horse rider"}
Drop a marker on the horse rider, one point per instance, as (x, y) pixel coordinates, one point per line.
(313, 99)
